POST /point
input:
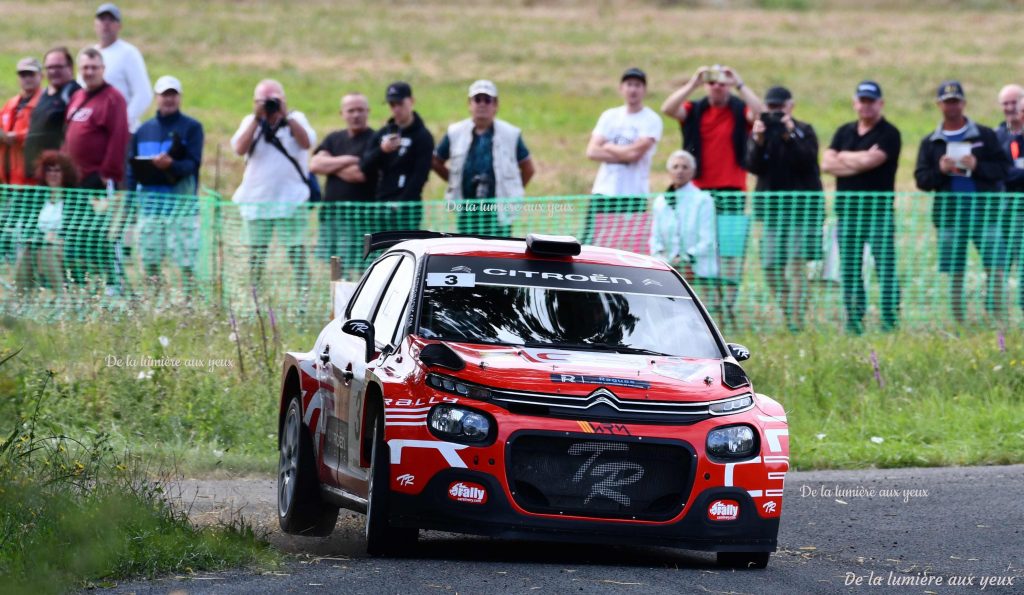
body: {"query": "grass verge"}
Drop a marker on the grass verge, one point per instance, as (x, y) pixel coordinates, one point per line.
(933, 398)
(896, 400)
(75, 514)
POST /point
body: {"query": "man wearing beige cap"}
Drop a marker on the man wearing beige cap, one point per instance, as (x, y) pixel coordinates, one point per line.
(486, 159)
(14, 121)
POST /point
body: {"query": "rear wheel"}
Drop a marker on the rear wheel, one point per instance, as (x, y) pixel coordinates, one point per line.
(300, 508)
(381, 538)
(743, 560)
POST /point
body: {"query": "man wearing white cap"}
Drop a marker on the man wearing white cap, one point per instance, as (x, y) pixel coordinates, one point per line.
(164, 159)
(486, 158)
(126, 69)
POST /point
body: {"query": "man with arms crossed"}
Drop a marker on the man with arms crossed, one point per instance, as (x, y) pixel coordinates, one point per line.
(624, 142)
(863, 156)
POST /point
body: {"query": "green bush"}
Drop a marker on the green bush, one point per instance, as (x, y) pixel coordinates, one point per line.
(74, 513)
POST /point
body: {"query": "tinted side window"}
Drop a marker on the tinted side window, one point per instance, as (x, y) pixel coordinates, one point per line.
(393, 303)
(363, 302)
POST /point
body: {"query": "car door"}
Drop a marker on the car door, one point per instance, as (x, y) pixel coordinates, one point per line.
(346, 372)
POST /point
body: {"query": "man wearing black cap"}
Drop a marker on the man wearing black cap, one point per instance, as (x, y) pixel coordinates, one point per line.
(399, 157)
(623, 141)
(783, 153)
(863, 156)
(125, 66)
(960, 159)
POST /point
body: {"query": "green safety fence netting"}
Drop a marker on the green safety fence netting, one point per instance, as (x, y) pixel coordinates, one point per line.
(771, 261)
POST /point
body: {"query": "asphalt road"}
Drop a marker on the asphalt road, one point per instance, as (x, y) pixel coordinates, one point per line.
(962, 525)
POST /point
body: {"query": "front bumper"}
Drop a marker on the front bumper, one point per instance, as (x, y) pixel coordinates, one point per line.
(433, 509)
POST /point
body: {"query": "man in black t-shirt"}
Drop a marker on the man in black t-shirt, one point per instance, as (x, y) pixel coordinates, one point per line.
(348, 192)
(46, 125)
(863, 157)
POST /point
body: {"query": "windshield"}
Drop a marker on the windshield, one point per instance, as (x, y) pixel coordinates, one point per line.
(469, 307)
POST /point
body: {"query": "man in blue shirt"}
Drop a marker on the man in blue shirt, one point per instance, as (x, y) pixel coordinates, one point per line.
(958, 161)
(486, 158)
(164, 159)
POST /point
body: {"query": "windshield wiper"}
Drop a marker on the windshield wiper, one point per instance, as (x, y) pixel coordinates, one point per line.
(618, 348)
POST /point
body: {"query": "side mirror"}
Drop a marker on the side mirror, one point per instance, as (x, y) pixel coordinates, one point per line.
(739, 352)
(361, 328)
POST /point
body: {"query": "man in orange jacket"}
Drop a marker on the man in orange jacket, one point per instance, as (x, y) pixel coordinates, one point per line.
(14, 120)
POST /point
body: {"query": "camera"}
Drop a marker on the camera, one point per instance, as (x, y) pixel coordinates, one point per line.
(714, 74)
(772, 118)
(271, 105)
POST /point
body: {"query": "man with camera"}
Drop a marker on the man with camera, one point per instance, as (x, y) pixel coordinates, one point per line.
(783, 153)
(275, 187)
(486, 158)
(863, 156)
(164, 157)
(959, 160)
(399, 156)
(715, 131)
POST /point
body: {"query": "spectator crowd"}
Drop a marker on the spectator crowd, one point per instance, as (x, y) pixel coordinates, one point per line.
(63, 133)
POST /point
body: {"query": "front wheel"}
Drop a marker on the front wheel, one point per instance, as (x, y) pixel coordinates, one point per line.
(381, 538)
(300, 509)
(743, 560)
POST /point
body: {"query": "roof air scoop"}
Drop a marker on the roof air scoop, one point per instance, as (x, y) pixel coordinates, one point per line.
(552, 245)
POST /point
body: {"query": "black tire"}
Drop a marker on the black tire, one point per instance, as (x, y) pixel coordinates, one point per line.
(743, 560)
(300, 508)
(381, 538)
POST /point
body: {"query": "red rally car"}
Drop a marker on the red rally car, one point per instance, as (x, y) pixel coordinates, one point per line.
(533, 389)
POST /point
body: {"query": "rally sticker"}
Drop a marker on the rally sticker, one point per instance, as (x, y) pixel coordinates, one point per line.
(724, 510)
(468, 492)
(451, 280)
(603, 380)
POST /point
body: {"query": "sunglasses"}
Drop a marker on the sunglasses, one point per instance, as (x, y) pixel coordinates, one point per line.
(483, 99)
(27, 73)
(394, 103)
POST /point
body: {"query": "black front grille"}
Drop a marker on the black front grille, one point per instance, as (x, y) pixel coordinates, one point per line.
(583, 475)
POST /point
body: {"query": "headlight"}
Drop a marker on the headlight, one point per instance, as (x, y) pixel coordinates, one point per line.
(457, 387)
(458, 424)
(731, 405)
(732, 442)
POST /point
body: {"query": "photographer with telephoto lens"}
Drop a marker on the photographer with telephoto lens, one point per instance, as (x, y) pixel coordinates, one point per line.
(275, 187)
(783, 153)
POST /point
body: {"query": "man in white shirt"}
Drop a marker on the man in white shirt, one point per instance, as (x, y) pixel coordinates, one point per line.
(125, 67)
(624, 141)
(275, 187)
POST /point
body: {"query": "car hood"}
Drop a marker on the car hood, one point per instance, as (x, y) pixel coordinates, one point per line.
(573, 372)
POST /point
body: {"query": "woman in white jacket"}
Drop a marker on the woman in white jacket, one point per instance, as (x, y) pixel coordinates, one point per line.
(683, 227)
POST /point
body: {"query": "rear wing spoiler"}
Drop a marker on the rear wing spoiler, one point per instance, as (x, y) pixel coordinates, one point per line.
(386, 239)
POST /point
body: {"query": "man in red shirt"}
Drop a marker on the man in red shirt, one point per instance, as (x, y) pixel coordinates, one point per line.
(96, 138)
(97, 126)
(715, 131)
(14, 119)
